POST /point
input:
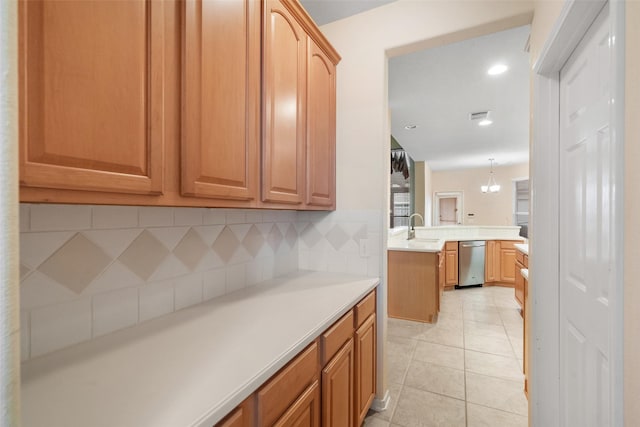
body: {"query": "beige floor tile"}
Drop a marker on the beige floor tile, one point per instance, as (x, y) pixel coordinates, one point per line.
(484, 316)
(493, 365)
(438, 354)
(496, 393)
(492, 345)
(481, 416)
(437, 379)
(417, 408)
(394, 395)
(372, 421)
(518, 346)
(444, 335)
(510, 315)
(403, 328)
(397, 367)
(484, 329)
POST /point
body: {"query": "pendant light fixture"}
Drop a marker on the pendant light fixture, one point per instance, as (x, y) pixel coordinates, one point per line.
(492, 186)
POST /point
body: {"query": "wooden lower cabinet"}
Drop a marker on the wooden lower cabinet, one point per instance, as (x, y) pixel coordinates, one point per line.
(330, 383)
(451, 264)
(305, 411)
(365, 379)
(242, 416)
(499, 265)
(337, 389)
(413, 285)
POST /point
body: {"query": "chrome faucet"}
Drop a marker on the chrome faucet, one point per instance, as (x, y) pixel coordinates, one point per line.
(411, 232)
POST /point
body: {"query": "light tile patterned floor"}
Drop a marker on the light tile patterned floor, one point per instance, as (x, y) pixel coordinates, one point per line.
(463, 371)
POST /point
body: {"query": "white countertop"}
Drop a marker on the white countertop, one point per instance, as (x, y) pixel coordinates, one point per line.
(189, 368)
(525, 273)
(432, 239)
(522, 247)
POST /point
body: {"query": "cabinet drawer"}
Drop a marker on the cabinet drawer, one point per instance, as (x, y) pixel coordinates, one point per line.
(285, 387)
(335, 337)
(508, 244)
(520, 257)
(365, 308)
(242, 416)
(451, 246)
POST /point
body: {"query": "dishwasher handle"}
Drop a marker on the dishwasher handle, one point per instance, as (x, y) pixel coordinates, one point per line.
(471, 245)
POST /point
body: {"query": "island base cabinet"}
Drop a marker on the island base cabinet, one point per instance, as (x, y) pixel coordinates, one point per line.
(337, 389)
(414, 291)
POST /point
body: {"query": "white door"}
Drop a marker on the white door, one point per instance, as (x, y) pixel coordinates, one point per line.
(448, 211)
(586, 229)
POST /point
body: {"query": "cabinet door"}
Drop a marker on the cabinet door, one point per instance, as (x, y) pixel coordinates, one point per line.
(337, 389)
(441, 274)
(221, 98)
(451, 267)
(321, 128)
(305, 411)
(507, 265)
(284, 74)
(365, 379)
(242, 416)
(91, 95)
(489, 261)
(519, 284)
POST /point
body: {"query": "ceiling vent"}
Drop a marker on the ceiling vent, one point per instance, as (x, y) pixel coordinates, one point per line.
(480, 115)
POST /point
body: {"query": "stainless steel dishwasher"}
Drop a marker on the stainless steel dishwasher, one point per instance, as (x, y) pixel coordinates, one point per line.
(470, 263)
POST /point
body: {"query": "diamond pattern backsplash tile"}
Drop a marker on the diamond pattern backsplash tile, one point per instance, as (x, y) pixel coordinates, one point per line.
(226, 244)
(76, 264)
(144, 255)
(163, 259)
(191, 249)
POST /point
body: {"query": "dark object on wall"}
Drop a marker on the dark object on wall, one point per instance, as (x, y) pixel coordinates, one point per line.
(399, 163)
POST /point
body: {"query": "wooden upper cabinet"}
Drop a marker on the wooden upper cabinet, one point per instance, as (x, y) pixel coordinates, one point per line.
(91, 95)
(284, 88)
(221, 99)
(321, 128)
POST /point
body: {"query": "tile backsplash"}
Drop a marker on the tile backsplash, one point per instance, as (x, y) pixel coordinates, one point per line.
(90, 270)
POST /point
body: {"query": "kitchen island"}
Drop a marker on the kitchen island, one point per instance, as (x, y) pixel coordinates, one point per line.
(192, 367)
(420, 269)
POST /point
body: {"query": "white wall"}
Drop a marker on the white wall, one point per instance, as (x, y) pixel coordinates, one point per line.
(363, 139)
(488, 208)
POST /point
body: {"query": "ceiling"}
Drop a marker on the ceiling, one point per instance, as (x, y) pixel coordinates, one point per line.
(436, 90)
(325, 11)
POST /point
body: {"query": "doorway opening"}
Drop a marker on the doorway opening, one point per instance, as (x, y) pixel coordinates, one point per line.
(448, 208)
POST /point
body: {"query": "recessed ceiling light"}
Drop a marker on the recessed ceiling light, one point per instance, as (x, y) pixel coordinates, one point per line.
(497, 69)
(410, 127)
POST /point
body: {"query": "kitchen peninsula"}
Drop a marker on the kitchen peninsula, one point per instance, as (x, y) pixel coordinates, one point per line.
(420, 269)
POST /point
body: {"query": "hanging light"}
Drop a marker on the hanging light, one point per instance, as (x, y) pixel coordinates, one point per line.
(492, 186)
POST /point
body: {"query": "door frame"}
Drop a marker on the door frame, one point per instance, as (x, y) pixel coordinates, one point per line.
(573, 22)
(459, 195)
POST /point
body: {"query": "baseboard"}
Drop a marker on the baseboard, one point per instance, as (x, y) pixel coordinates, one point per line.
(380, 405)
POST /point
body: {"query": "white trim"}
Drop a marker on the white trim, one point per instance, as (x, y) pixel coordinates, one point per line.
(459, 195)
(380, 405)
(9, 237)
(574, 20)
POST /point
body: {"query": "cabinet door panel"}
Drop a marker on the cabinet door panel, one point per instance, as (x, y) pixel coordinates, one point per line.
(451, 267)
(305, 411)
(321, 128)
(337, 389)
(221, 96)
(365, 351)
(284, 76)
(507, 265)
(91, 95)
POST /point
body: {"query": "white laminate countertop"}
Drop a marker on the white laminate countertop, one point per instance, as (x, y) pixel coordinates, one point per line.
(432, 239)
(522, 247)
(189, 368)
